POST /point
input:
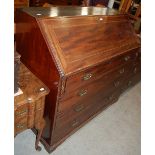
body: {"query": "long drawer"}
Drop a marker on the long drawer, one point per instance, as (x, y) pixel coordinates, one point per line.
(131, 81)
(21, 112)
(89, 89)
(88, 76)
(20, 125)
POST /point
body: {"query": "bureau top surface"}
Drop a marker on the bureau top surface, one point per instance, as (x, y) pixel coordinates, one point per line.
(60, 11)
(80, 37)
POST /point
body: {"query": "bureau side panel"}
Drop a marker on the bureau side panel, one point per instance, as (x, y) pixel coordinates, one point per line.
(36, 56)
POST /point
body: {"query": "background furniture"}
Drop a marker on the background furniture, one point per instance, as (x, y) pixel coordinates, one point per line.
(55, 2)
(88, 59)
(16, 70)
(29, 104)
(21, 3)
(98, 2)
(133, 9)
(37, 3)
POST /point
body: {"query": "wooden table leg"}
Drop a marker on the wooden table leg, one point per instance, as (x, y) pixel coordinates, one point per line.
(40, 129)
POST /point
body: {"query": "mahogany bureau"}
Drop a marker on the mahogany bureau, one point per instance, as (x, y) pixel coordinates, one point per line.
(86, 56)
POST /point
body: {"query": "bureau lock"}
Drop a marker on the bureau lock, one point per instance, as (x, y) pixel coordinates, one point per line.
(129, 83)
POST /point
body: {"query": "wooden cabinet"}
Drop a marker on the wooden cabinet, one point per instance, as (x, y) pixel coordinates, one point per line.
(86, 56)
(133, 8)
(29, 103)
(21, 3)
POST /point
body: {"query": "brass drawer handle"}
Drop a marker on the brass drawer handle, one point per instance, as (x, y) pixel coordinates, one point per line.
(121, 71)
(21, 113)
(82, 92)
(79, 108)
(135, 70)
(137, 54)
(106, 100)
(116, 84)
(60, 114)
(39, 109)
(129, 83)
(75, 123)
(87, 76)
(109, 62)
(111, 97)
(20, 126)
(123, 89)
(127, 58)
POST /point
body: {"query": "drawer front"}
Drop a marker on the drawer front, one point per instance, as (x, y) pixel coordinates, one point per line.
(21, 125)
(136, 68)
(86, 77)
(138, 55)
(67, 124)
(130, 81)
(89, 89)
(21, 112)
(32, 112)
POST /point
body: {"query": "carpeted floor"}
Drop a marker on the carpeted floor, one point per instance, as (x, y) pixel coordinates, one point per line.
(115, 131)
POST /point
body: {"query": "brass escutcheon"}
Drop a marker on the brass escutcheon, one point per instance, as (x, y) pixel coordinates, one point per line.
(20, 126)
(121, 71)
(87, 76)
(21, 113)
(127, 58)
(79, 108)
(82, 92)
